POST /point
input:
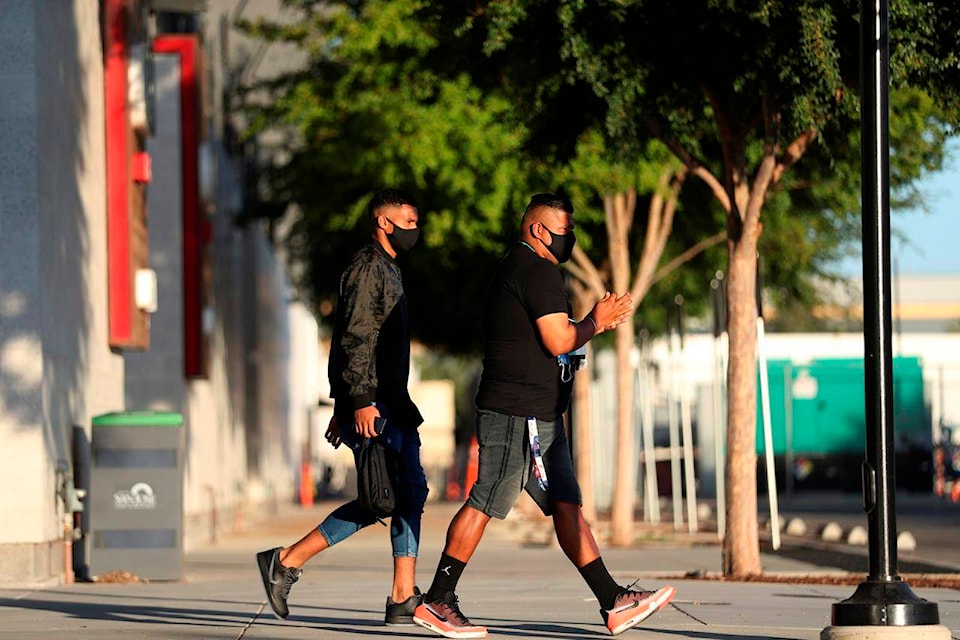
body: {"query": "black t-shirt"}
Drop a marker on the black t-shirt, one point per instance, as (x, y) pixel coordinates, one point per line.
(520, 377)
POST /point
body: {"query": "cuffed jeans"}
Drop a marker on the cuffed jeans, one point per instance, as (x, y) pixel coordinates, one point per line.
(350, 518)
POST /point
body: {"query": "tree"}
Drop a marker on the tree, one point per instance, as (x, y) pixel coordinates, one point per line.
(777, 85)
(619, 182)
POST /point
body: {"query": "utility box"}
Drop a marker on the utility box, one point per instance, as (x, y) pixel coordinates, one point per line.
(136, 495)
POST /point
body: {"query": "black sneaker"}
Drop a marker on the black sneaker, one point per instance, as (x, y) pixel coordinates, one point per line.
(277, 580)
(400, 614)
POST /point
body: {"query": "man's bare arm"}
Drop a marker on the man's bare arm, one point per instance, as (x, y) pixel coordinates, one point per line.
(560, 336)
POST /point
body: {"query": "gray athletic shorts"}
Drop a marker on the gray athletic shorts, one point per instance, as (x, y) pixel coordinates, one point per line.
(505, 465)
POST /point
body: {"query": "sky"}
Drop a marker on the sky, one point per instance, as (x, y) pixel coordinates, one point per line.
(931, 239)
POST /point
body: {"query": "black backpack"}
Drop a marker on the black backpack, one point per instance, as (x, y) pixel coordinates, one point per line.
(377, 478)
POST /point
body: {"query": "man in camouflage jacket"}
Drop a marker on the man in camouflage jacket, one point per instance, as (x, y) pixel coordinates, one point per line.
(369, 368)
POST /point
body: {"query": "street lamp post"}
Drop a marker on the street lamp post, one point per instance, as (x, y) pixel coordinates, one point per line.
(883, 599)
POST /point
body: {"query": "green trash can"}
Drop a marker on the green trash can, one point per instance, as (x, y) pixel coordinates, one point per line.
(136, 494)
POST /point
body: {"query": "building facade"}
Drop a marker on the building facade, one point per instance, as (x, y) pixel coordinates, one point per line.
(126, 281)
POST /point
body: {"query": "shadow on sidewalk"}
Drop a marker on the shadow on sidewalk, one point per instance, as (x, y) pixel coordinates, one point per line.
(557, 631)
(128, 613)
(713, 635)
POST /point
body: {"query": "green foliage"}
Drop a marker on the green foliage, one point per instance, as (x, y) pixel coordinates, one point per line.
(727, 82)
(474, 107)
(924, 51)
(382, 103)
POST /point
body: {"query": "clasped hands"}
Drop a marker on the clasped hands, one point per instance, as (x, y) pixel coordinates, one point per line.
(611, 311)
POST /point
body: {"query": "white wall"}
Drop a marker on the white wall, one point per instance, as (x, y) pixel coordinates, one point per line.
(56, 368)
(307, 375)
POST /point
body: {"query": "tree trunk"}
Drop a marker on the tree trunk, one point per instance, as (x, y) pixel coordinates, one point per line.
(619, 215)
(743, 204)
(619, 212)
(582, 409)
(624, 490)
(741, 547)
(583, 439)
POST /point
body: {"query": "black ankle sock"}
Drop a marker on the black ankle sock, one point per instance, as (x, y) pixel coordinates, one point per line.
(445, 580)
(601, 583)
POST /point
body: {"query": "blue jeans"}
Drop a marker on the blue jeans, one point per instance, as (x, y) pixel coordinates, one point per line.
(349, 518)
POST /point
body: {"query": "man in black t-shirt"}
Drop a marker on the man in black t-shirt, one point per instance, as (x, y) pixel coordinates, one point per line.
(519, 374)
(520, 406)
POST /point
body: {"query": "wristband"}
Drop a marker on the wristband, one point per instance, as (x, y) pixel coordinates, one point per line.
(590, 318)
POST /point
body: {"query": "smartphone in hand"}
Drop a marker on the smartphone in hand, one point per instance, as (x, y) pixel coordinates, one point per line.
(379, 424)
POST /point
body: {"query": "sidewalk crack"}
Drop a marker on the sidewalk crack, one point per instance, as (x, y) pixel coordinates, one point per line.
(247, 626)
(688, 614)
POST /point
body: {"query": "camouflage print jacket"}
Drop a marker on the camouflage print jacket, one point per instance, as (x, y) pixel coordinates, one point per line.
(370, 352)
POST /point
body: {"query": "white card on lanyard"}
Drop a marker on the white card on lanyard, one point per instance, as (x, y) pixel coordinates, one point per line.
(539, 470)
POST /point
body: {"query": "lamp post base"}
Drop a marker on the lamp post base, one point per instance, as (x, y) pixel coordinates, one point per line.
(925, 632)
(885, 604)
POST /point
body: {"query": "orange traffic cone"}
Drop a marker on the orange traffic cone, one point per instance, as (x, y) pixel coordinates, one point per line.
(306, 484)
(939, 483)
(452, 491)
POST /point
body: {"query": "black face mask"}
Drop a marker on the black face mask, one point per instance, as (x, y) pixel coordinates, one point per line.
(402, 240)
(561, 247)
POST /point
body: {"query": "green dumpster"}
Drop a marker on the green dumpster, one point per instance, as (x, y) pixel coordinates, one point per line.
(136, 494)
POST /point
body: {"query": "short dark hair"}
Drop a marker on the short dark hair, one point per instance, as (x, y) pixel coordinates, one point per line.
(550, 200)
(388, 197)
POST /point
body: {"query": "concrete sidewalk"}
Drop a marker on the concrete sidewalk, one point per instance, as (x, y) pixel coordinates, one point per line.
(518, 590)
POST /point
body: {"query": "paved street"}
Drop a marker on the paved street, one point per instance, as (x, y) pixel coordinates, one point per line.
(517, 590)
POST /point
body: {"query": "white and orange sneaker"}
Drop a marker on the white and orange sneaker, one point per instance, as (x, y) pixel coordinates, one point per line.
(446, 619)
(633, 607)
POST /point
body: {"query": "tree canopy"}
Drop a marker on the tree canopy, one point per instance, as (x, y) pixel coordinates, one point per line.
(381, 102)
(474, 110)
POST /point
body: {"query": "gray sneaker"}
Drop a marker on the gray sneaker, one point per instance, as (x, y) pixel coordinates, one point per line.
(277, 580)
(400, 614)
